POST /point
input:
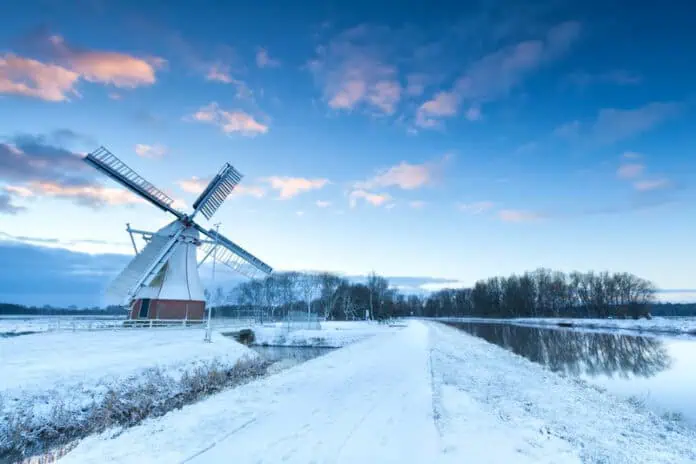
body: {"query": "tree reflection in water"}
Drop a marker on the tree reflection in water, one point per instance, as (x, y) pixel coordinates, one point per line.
(575, 352)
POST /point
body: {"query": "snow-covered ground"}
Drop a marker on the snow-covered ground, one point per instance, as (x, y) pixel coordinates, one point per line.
(659, 325)
(426, 393)
(21, 324)
(72, 370)
(332, 334)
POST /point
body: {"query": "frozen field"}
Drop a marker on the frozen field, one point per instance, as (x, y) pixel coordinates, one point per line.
(425, 393)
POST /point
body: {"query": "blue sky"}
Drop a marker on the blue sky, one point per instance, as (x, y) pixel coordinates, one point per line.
(418, 140)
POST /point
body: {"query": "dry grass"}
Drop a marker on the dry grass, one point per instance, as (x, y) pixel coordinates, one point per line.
(23, 433)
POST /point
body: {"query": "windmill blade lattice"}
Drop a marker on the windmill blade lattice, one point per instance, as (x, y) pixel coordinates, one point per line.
(105, 161)
(234, 256)
(217, 191)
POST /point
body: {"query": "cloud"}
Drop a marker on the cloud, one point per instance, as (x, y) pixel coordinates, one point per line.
(613, 124)
(219, 73)
(516, 215)
(477, 207)
(56, 80)
(30, 167)
(6, 205)
(385, 96)
(631, 155)
(322, 203)
(417, 204)
(443, 104)
(289, 187)
(263, 59)
(630, 170)
(106, 67)
(94, 196)
(32, 158)
(150, 151)
(234, 121)
(193, 185)
(405, 175)
(473, 113)
(496, 74)
(353, 71)
(568, 130)
(248, 190)
(375, 199)
(31, 78)
(652, 184)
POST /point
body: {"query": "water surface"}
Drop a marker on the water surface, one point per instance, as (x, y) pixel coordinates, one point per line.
(657, 371)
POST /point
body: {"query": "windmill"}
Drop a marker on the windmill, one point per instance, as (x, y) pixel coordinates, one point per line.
(162, 281)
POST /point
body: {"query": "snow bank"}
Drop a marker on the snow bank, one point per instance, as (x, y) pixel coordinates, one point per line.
(660, 325)
(54, 380)
(334, 334)
(536, 411)
(427, 393)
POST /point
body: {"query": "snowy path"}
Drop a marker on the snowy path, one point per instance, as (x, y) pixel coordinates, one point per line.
(424, 394)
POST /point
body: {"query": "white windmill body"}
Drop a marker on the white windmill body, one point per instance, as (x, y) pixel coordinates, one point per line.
(162, 280)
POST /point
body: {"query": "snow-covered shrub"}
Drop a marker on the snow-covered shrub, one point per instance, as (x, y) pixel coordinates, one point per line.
(38, 423)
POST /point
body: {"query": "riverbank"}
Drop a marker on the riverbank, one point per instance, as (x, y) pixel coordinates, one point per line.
(424, 393)
(657, 325)
(53, 384)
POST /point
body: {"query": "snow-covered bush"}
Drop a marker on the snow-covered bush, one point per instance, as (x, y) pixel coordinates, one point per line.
(40, 422)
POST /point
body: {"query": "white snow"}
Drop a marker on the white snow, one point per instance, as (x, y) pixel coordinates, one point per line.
(426, 393)
(73, 369)
(661, 325)
(332, 334)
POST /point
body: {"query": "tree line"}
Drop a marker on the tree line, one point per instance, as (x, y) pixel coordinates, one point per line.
(541, 293)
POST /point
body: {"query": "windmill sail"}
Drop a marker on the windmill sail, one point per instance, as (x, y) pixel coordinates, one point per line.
(105, 161)
(234, 256)
(143, 267)
(217, 191)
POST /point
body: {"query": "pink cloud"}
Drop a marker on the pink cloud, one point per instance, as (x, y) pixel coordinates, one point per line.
(106, 67)
(496, 74)
(375, 199)
(630, 170)
(91, 195)
(617, 124)
(193, 185)
(653, 184)
(476, 207)
(235, 121)
(513, 215)
(219, 73)
(385, 95)
(31, 78)
(289, 187)
(248, 190)
(150, 151)
(263, 59)
(349, 94)
(405, 175)
(354, 71)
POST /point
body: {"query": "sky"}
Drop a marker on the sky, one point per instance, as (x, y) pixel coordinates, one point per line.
(413, 139)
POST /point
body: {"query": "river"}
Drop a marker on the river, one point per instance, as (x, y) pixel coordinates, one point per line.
(659, 372)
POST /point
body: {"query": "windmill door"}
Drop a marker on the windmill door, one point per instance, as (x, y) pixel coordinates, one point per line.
(144, 308)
